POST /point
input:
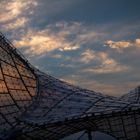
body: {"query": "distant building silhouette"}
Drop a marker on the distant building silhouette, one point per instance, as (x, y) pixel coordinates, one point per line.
(34, 105)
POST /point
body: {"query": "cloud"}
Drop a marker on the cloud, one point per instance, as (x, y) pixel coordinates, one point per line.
(69, 48)
(42, 42)
(67, 66)
(137, 42)
(56, 56)
(16, 24)
(62, 36)
(80, 32)
(112, 67)
(121, 45)
(88, 56)
(100, 86)
(14, 13)
(90, 36)
(105, 63)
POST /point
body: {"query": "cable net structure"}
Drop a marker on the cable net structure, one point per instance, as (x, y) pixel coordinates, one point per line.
(37, 106)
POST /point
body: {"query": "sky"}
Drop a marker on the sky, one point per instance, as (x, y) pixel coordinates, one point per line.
(94, 44)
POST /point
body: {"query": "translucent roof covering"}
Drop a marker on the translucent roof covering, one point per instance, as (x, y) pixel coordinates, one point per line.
(17, 85)
(34, 105)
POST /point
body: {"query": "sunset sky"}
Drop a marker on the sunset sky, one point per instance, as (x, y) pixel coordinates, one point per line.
(91, 43)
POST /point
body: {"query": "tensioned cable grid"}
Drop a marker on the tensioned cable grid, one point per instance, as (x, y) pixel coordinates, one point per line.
(35, 105)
